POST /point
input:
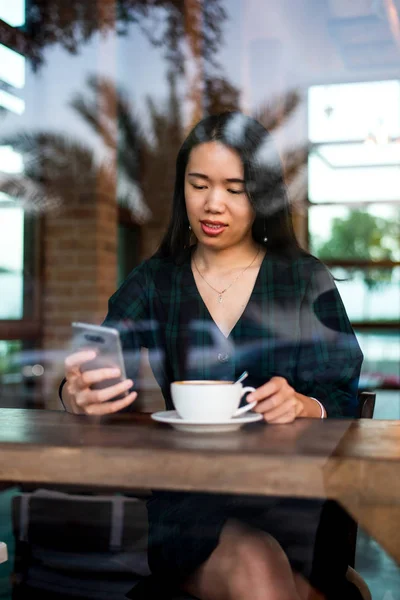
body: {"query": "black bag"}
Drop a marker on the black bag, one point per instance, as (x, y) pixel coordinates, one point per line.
(78, 546)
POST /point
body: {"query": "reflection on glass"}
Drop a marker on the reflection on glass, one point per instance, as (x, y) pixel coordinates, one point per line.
(10, 161)
(21, 372)
(353, 111)
(336, 156)
(369, 294)
(355, 129)
(11, 262)
(381, 357)
(128, 250)
(169, 62)
(13, 12)
(11, 102)
(8, 372)
(12, 67)
(328, 183)
(340, 232)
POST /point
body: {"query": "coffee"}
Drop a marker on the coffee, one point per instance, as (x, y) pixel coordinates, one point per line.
(208, 401)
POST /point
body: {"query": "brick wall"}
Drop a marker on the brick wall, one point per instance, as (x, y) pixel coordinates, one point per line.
(79, 271)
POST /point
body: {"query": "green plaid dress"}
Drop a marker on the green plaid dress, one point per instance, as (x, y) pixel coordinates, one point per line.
(295, 326)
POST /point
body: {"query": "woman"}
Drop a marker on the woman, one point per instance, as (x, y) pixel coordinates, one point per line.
(228, 290)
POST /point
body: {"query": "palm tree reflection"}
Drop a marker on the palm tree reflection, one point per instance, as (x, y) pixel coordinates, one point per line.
(61, 170)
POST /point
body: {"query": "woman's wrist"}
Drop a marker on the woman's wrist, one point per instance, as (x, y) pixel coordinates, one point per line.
(312, 408)
(321, 408)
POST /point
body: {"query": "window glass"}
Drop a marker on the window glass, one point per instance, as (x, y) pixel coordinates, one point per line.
(347, 232)
(354, 129)
(8, 349)
(23, 368)
(11, 379)
(350, 182)
(13, 12)
(12, 67)
(381, 365)
(128, 250)
(11, 262)
(369, 294)
(97, 97)
(353, 111)
(11, 102)
(10, 161)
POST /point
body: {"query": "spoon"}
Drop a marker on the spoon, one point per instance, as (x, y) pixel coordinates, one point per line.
(242, 377)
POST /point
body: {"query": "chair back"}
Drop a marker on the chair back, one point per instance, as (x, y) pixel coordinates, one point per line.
(366, 405)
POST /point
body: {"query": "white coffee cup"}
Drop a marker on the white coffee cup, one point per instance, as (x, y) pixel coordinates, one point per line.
(209, 401)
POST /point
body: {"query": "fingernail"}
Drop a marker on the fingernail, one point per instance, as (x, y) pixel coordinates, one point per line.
(250, 398)
(115, 372)
(130, 382)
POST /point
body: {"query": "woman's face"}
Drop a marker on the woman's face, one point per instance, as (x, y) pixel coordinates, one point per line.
(217, 205)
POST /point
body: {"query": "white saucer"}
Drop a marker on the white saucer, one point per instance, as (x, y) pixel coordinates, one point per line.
(172, 418)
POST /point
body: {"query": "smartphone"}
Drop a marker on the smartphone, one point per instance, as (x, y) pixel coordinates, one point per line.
(107, 344)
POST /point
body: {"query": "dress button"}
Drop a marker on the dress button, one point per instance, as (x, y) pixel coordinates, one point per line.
(223, 357)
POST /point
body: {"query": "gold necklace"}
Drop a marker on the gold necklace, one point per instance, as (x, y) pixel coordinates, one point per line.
(231, 284)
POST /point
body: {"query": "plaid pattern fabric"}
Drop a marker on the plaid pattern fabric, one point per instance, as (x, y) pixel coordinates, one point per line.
(294, 325)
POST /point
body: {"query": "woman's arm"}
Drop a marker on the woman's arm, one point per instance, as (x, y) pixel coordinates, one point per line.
(280, 403)
(329, 357)
(126, 312)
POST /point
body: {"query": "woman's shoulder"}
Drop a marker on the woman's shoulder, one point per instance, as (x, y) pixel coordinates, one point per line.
(134, 293)
(300, 267)
(157, 272)
(147, 274)
(309, 264)
(314, 277)
(160, 264)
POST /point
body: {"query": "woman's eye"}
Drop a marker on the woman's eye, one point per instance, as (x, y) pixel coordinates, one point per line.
(236, 191)
(198, 187)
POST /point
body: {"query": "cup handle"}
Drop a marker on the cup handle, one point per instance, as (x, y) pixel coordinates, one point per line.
(244, 409)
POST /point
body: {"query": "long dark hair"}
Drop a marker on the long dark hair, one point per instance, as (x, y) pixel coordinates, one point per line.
(263, 180)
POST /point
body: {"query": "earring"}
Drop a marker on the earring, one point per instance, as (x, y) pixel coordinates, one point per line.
(265, 240)
(190, 228)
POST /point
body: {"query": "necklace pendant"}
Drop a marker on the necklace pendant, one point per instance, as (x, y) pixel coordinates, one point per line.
(220, 298)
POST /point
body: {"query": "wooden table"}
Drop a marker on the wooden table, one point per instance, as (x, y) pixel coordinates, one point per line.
(354, 462)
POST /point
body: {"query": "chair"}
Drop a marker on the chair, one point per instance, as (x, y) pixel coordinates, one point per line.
(72, 546)
(366, 405)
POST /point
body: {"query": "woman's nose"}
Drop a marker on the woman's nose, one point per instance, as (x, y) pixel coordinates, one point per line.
(215, 201)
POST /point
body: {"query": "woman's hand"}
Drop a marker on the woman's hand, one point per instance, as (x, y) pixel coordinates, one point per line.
(278, 402)
(82, 399)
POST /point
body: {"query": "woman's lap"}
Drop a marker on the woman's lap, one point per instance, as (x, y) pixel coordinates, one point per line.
(184, 530)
